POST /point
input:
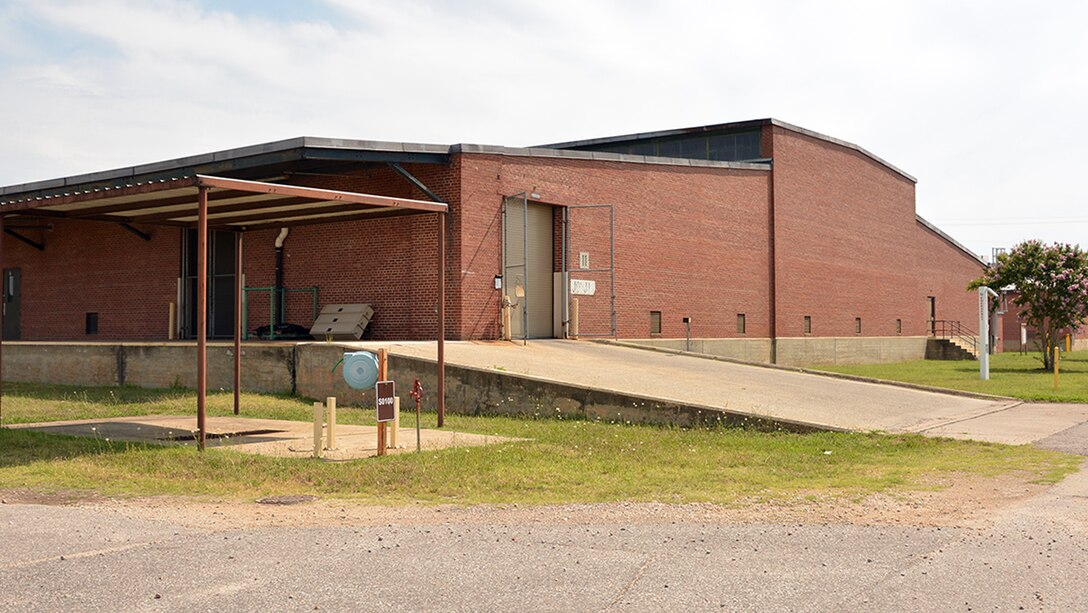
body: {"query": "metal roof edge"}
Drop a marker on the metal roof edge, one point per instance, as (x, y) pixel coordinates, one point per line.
(750, 123)
(842, 143)
(737, 125)
(374, 145)
(955, 243)
(155, 167)
(226, 155)
(601, 156)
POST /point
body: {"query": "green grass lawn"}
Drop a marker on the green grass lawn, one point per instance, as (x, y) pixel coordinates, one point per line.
(1011, 374)
(565, 461)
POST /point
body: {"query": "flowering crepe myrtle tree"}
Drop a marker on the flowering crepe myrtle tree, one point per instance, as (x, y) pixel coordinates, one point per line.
(1052, 285)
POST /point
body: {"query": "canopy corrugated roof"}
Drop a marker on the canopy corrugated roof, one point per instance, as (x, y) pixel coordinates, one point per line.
(233, 204)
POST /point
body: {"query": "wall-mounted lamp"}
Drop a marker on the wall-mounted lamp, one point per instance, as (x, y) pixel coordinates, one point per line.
(498, 281)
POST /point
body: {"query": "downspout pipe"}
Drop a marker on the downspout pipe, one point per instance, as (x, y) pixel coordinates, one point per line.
(280, 315)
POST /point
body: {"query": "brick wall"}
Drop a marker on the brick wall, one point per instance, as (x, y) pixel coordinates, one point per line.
(389, 263)
(943, 271)
(848, 246)
(99, 268)
(689, 241)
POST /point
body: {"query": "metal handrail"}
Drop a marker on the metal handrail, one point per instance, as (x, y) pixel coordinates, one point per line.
(954, 329)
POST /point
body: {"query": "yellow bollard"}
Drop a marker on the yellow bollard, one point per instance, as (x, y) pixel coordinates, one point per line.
(1057, 355)
(1068, 342)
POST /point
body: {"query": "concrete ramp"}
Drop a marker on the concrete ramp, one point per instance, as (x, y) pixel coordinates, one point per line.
(737, 389)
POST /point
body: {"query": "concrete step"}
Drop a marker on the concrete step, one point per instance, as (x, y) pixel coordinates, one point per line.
(948, 349)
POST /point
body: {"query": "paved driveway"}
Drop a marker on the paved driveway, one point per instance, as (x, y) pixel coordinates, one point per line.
(1033, 556)
(769, 392)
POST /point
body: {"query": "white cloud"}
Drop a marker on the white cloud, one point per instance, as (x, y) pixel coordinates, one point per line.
(981, 101)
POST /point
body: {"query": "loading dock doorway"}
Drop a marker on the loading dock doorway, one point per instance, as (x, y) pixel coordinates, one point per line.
(528, 266)
(221, 298)
(931, 302)
(12, 303)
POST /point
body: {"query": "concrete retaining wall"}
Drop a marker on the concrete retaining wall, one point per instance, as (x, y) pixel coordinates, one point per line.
(804, 351)
(265, 368)
(307, 369)
(850, 350)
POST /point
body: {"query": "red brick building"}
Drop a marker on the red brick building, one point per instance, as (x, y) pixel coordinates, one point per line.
(765, 237)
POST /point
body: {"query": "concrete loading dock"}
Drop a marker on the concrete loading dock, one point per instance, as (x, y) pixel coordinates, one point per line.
(571, 378)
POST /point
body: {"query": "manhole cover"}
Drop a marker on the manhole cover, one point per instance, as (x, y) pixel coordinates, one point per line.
(286, 499)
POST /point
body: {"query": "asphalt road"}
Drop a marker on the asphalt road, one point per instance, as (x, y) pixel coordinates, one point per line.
(1032, 556)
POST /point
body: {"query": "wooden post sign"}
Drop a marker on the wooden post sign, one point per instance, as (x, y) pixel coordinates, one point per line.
(384, 395)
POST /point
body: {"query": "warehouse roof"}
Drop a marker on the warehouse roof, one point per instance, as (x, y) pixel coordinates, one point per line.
(264, 161)
(726, 127)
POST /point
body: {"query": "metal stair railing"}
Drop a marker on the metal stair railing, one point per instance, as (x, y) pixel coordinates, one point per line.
(955, 331)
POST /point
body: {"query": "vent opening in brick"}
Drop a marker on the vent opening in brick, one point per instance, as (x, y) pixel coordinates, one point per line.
(655, 322)
(92, 323)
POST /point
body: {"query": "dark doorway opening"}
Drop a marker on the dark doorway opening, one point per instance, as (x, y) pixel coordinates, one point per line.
(12, 303)
(221, 258)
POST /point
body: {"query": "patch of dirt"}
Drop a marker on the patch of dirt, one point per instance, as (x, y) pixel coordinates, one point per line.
(58, 498)
(962, 501)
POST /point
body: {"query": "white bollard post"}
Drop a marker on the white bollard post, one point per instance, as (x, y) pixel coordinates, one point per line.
(319, 413)
(330, 436)
(395, 426)
(984, 294)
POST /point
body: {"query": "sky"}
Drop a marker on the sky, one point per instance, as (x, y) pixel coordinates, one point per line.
(983, 102)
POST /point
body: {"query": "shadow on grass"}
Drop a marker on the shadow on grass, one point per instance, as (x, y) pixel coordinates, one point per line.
(125, 394)
(100, 394)
(21, 447)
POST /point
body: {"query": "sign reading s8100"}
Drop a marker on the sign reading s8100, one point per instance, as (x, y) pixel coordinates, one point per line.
(385, 392)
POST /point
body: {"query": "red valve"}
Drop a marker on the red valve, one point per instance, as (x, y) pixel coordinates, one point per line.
(417, 391)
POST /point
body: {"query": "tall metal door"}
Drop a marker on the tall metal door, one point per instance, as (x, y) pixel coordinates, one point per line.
(528, 248)
(12, 293)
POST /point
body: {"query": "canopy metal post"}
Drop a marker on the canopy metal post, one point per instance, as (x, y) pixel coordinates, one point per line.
(3, 307)
(441, 319)
(237, 322)
(201, 315)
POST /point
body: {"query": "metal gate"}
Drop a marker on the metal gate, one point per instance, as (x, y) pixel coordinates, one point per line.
(583, 247)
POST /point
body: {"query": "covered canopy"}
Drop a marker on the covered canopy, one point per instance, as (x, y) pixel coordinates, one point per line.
(207, 202)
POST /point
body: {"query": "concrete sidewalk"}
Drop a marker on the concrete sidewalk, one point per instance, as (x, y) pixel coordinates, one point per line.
(272, 437)
(768, 392)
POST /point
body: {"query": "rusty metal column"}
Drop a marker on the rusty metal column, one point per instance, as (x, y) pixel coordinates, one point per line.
(237, 323)
(441, 319)
(3, 307)
(202, 316)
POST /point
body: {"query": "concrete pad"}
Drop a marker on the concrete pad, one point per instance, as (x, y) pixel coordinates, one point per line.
(272, 437)
(1018, 425)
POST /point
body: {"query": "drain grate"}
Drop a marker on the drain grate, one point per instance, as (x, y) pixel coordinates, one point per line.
(286, 500)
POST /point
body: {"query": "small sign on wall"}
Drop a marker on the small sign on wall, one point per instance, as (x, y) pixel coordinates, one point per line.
(580, 287)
